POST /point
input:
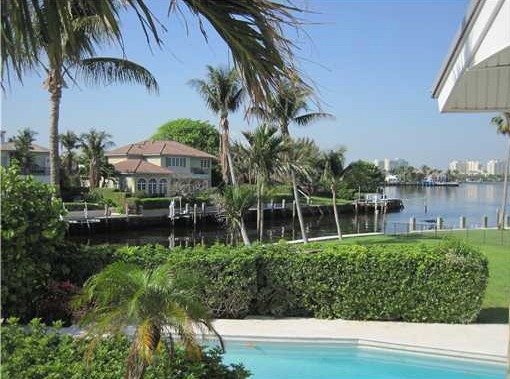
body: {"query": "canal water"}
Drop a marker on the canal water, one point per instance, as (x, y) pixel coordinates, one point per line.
(471, 200)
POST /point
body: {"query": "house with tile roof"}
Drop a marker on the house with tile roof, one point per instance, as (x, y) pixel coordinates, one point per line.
(161, 167)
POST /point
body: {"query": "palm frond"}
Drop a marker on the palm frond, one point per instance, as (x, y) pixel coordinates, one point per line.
(253, 30)
(309, 118)
(106, 71)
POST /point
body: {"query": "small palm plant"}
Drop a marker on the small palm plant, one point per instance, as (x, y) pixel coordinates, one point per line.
(334, 171)
(160, 304)
(234, 203)
(502, 124)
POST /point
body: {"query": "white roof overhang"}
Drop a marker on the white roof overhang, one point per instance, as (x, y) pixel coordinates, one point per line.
(476, 73)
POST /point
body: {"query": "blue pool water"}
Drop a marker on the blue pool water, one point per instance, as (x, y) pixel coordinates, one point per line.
(278, 360)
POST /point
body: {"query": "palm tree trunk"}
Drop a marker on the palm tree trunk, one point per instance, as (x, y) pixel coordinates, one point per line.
(54, 82)
(298, 206)
(258, 207)
(335, 211)
(225, 156)
(244, 234)
(261, 225)
(501, 221)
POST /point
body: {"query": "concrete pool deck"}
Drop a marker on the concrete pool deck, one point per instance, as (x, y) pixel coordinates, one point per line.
(474, 339)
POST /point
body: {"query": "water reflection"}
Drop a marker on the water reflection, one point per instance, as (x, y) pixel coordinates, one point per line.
(472, 200)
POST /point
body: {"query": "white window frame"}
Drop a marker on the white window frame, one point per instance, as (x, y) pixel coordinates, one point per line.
(141, 184)
(152, 186)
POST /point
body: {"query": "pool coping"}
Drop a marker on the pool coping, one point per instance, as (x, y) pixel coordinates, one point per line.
(377, 344)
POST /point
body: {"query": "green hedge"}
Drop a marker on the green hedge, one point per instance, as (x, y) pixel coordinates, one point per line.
(444, 283)
(35, 352)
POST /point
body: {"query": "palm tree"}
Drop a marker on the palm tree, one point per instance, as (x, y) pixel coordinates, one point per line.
(334, 170)
(290, 106)
(264, 153)
(160, 304)
(502, 123)
(253, 31)
(70, 142)
(23, 144)
(93, 146)
(72, 55)
(234, 203)
(222, 92)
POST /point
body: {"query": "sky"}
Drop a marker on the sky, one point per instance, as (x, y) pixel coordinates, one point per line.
(373, 64)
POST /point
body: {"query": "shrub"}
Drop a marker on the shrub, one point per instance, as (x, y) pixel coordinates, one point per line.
(416, 283)
(109, 196)
(39, 352)
(32, 229)
(155, 203)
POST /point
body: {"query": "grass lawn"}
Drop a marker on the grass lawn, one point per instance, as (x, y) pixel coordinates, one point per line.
(493, 243)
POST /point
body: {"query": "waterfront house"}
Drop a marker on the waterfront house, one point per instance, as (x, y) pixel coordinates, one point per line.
(40, 168)
(161, 168)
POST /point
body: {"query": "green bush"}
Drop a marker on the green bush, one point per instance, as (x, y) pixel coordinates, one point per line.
(36, 351)
(32, 229)
(109, 196)
(155, 202)
(416, 283)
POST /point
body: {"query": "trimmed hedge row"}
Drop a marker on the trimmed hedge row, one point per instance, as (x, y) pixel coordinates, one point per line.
(417, 283)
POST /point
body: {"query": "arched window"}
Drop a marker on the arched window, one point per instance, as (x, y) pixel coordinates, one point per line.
(141, 184)
(153, 186)
(163, 186)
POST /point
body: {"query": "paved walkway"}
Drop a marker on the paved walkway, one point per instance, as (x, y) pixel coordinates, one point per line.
(486, 339)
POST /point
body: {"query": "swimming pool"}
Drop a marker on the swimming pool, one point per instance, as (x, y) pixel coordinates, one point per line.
(290, 360)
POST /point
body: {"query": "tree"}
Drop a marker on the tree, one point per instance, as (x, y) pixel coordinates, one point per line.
(70, 142)
(264, 154)
(71, 54)
(159, 303)
(234, 203)
(252, 30)
(222, 92)
(333, 172)
(198, 134)
(32, 229)
(364, 176)
(290, 105)
(23, 144)
(93, 146)
(502, 124)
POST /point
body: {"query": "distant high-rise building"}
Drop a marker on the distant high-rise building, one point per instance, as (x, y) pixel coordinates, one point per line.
(495, 167)
(469, 167)
(388, 164)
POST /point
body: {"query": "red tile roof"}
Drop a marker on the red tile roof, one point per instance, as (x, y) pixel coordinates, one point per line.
(139, 166)
(145, 148)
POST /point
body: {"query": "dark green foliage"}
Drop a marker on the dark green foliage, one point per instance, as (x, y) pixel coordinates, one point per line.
(386, 282)
(39, 352)
(32, 229)
(364, 176)
(198, 134)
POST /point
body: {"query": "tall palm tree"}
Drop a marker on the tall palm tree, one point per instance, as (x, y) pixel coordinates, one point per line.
(502, 123)
(264, 153)
(71, 55)
(222, 92)
(23, 144)
(290, 105)
(234, 203)
(333, 162)
(253, 31)
(69, 142)
(93, 146)
(160, 304)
